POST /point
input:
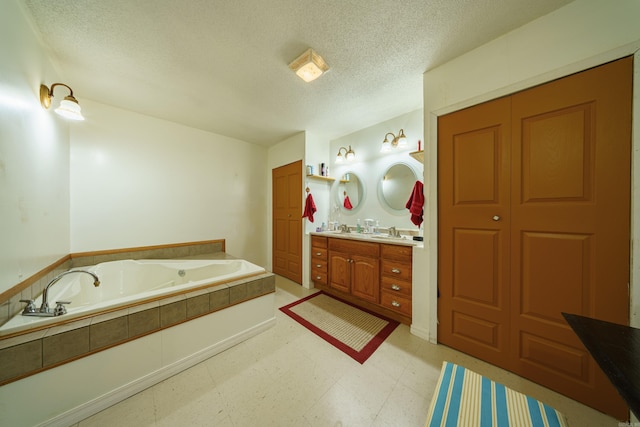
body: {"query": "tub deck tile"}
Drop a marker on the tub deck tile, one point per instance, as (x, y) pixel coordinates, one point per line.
(173, 313)
(143, 307)
(107, 333)
(237, 293)
(143, 322)
(219, 299)
(20, 359)
(198, 305)
(64, 346)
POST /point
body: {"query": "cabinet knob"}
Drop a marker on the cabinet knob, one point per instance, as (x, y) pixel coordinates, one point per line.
(395, 303)
(395, 287)
(395, 270)
(318, 277)
(496, 218)
(318, 253)
(318, 265)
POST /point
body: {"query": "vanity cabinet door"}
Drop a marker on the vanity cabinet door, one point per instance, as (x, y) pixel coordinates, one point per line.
(340, 271)
(365, 279)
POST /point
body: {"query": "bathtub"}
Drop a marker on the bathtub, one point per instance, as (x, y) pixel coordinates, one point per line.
(129, 282)
(100, 337)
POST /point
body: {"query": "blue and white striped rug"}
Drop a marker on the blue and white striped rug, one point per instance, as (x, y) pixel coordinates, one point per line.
(465, 398)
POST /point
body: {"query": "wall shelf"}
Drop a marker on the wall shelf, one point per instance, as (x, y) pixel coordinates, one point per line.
(418, 155)
(321, 178)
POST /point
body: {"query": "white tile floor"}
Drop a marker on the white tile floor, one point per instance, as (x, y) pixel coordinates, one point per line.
(287, 376)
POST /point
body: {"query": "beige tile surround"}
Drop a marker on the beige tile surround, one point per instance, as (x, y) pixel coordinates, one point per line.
(32, 352)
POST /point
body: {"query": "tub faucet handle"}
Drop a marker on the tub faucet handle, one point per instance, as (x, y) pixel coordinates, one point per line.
(30, 308)
(60, 308)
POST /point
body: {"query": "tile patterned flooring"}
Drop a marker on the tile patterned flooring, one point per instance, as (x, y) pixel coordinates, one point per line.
(287, 376)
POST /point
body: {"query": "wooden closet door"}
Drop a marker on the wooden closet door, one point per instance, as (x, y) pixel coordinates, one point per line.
(287, 221)
(550, 166)
(570, 225)
(473, 230)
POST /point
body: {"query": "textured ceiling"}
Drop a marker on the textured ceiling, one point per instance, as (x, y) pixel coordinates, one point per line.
(221, 65)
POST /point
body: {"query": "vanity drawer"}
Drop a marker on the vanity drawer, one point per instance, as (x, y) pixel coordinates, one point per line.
(319, 276)
(318, 264)
(396, 302)
(400, 270)
(366, 249)
(397, 252)
(396, 287)
(318, 242)
(318, 254)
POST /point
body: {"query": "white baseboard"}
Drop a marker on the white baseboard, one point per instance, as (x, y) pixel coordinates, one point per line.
(94, 406)
(420, 332)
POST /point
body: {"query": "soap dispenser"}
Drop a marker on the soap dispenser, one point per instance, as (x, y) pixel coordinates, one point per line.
(358, 226)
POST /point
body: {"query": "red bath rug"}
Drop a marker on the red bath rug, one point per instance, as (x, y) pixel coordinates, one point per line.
(354, 331)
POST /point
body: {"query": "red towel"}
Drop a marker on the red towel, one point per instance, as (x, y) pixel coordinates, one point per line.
(309, 208)
(347, 203)
(415, 203)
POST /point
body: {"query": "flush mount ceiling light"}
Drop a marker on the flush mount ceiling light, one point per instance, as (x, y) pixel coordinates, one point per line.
(309, 66)
(349, 154)
(69, 107)
(399, 141)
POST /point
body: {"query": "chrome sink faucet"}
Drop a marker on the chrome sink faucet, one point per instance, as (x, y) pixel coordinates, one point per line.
(45, 311)
(344, 228)
(393, 232)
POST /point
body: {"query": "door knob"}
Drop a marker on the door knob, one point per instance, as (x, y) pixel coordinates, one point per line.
(496, 218)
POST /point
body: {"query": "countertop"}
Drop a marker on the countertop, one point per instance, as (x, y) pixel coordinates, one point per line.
(616, 349)
(368, 237)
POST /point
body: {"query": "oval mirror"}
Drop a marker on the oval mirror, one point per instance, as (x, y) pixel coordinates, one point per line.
(350, 192)
(396, 186)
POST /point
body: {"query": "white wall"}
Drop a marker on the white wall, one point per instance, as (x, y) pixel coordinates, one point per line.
(583, 34)
(370, 165)
(34, 155)
(139, 181)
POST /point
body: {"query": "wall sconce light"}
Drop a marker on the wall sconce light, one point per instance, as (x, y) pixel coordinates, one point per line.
(69, 107)
(349, 154)
(399, 141)
(309, 66)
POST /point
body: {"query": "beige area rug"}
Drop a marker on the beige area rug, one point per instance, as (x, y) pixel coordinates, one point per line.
(353, 330)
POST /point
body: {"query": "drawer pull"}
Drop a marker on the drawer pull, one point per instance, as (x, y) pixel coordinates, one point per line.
(318, 265)
(318, 277)
(318, 253)
(395, 287)
(395, 303)
(395, 270)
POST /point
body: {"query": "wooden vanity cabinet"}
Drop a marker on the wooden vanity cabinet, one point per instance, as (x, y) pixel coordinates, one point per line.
(375, 276)
(354, 267)
(319, 260)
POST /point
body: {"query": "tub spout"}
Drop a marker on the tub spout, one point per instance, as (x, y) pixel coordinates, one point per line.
(44, 308)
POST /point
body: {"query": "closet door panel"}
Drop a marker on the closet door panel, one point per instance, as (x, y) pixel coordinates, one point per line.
(570, 224)
(473, 241)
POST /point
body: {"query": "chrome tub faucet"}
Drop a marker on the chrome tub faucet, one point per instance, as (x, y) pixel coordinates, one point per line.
(45, 310)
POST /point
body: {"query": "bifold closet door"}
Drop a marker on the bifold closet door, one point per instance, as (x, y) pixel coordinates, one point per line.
(570, 225)
(534, 220)
(473, 235)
